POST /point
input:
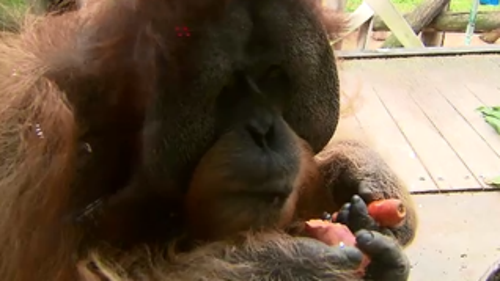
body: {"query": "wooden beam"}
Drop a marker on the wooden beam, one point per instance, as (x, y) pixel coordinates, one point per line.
(397, 24)
(356, 19)
(421, 16)
(418, 52)
(454, 22)
(434, 38)
(365, 31)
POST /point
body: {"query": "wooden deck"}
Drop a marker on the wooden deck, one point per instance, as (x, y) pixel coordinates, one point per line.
(420, 113)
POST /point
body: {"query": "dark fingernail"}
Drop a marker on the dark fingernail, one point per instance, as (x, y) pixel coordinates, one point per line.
(355, 198)
(364, 237)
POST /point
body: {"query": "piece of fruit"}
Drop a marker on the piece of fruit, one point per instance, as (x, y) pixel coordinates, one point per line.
(335, 235)
(386, 212)
(332, 234)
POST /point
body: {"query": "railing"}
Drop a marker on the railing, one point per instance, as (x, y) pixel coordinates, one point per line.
(431, 20)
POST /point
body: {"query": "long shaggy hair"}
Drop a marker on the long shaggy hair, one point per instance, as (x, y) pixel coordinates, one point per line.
(39, 132)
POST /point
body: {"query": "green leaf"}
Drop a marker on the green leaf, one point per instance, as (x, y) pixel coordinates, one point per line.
(493, 111)
(495, 181)
(491, 115)
(494, 122)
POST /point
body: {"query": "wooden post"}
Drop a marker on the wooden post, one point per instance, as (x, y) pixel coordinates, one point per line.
(420, 17)
(364, 33)
(402, 32)
(455, 22)
(434, 39)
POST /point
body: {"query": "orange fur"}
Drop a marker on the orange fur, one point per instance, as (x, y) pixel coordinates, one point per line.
(38, 169)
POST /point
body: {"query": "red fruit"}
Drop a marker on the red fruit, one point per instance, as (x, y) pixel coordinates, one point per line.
(386, 212)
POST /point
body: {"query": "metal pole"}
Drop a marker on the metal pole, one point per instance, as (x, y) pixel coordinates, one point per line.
(472, 22)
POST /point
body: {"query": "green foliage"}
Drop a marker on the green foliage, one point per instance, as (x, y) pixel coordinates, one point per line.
(491, 115)
(12, 2)
(11, 11)
(493, 181)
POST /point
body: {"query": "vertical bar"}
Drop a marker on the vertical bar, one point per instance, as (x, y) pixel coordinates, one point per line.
(472, 22)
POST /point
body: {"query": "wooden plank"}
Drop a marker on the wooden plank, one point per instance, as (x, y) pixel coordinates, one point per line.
(405, 52)
(485, 85)
(454, 22)
(457, 238)
(465, 101)
(362, 14)
(427, 73)
(396, 23)
(387, 139)
(355, 20)
(388, 77)
(365, 32)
